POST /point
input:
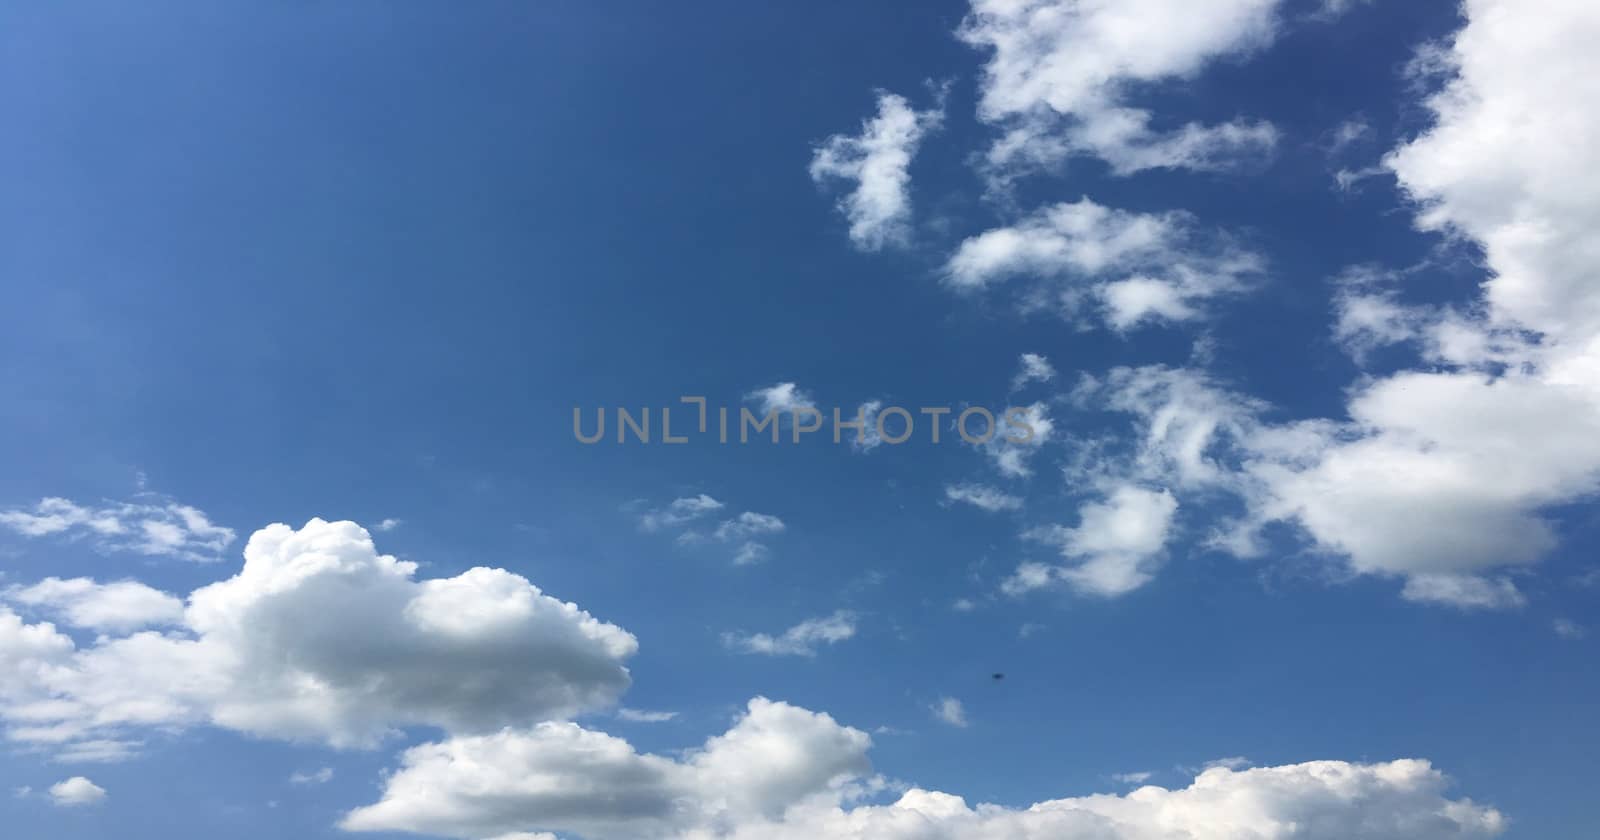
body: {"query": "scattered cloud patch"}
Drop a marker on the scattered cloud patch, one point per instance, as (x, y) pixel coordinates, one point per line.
(164, 529)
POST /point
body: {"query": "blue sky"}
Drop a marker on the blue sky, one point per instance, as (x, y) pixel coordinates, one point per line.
(1305, 293)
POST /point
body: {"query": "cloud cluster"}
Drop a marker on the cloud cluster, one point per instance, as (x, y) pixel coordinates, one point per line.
(157, 529)
(786, 772)
(317, 638)
(746, 531)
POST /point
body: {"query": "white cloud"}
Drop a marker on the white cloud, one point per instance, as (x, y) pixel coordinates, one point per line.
(1130, 268)
(167, 529)
(76, 791)
(867, 438)
(643, 716)
(1568, 629)
(679, 511)
(1113, 549)
(983, 497)
(799, 640)
(748, 524)
(1060, 74)
(118, 607)
(314, 777)
(785, 773)
(784, 399)
(751, 553)
(388, 525)
(1464, 591)
(877, 163)
(951, 711)
(1138, 778)
(560, 777)
(1019, 433)
(743, 531)
(1034, 368)
(319, 638)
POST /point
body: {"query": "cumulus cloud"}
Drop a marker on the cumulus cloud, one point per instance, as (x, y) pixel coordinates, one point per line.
(76, 791)
(784, 772)
(1112, 549)
(876, 163)
(561, 777)
(1127, 268)
(1060, 74)
(799, 640)
(157, 529)
(117, 607)
(319, 638)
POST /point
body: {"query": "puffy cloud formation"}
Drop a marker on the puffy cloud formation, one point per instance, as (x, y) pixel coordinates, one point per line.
(1112, 548)
(117, 607)
(76, 791)
(561, 777)
(165, 529)
(785, 772)
(320, 638)
(1441, 475)
(799, 640)
(1060, 73)
(1129, 268)
(876, 161)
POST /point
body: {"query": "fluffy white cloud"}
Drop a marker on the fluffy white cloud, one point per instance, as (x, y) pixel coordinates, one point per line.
(1060, 73)
(165, 529)
(118, 607)
(877, 163)
(799, 640)
(1112, 549)
(1129, 268)
(321, 638)
(560, 777)
(784, 772)
(983, 497)
(76, 791)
